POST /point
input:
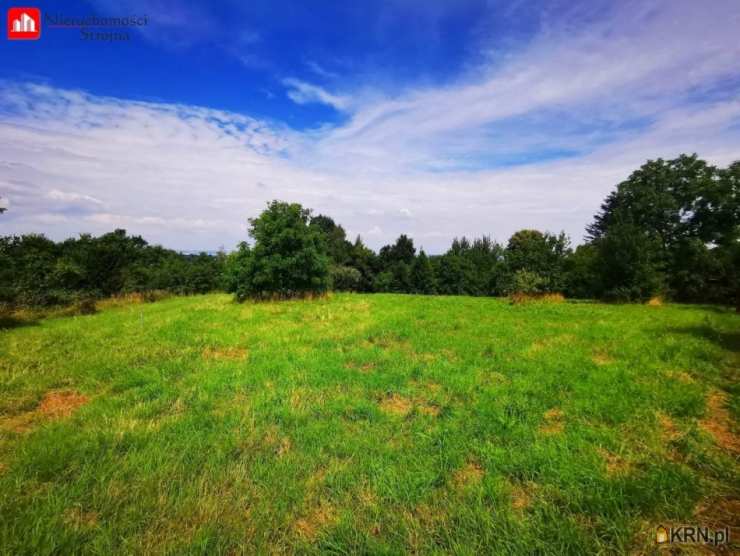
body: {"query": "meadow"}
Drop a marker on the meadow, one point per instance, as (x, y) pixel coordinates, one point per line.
(379, 424)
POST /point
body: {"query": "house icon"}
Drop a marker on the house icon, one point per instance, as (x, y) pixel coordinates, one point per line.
(24, 23)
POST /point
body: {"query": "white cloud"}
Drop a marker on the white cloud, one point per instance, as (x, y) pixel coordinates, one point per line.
(467, 158)
(301, 92)
(72, 197)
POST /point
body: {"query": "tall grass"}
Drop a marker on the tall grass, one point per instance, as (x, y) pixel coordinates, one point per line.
(366, 424)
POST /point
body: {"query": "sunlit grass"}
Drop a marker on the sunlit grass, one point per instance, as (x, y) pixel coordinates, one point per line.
(366, 423)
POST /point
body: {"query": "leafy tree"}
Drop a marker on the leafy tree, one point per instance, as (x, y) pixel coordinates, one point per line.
(542, 253)
(366, 262)
(338, 248)
(395, 263)
(630, 264)
(403, 251)
(454, 274)
(422, 275)
(688, 211)
(288, 258)
(470, 268)
(582, 273)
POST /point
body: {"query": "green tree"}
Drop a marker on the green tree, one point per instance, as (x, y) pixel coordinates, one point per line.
(688, 212)
(422, 275)
(541, 253)
(583, 278)
(631, 266)
(337, 246)
(288, 258)
(365, 261)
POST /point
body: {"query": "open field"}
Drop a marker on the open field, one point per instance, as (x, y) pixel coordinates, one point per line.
(367, 423)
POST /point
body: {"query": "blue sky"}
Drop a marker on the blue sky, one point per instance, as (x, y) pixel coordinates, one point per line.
(434, 118)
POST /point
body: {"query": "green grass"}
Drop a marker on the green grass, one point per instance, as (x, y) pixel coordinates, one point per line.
(379, 424)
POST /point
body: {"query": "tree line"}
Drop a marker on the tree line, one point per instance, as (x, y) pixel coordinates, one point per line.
(670, 229)
(36, 271)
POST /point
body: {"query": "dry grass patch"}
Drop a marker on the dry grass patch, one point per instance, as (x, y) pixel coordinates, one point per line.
(680, 376)
(720, 512)
(470, 474)
(361, 367)
(553, 423)
(316, 520)
(550, 342)
(615, 465)
(78, 519)
(602, 357)
(668, 430)
(225, 353)
(521, 497)
(718, 422)
(61, 403)
(521, 298)
(396, 405)
(428, 409)
(56, 404)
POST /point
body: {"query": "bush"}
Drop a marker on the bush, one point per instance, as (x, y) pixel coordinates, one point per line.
(526, 282)
(345, 278)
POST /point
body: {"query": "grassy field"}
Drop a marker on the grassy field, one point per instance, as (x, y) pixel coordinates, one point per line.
(367, 424)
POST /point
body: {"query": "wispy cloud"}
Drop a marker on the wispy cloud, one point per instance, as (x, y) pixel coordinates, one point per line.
(535, 140)
(301, 92)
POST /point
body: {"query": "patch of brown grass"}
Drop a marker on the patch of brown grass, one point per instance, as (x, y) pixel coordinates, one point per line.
(225, 353)
(361, 367)
(720, 512)
(553, 423)
(470, 474)
(521, 498)
(520, 298)
(317, 519)
(549, 342)
(615, 465)
(428, 409)
(718, 422)
(680, 376)
(78, 519)
(284, 446)
(61, 403)
(669, 431)
(396, 405)
(56, 404)
(602, 357)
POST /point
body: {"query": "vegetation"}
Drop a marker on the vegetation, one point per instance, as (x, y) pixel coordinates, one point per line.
(672, 229)
(366, 424)
(288, 259)
(35, 271)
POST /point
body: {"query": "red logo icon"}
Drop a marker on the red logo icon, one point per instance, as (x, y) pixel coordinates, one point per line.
(24, 24)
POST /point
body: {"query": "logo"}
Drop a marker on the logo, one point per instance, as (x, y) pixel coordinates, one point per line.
(692, 534)
(661, 535)
(24, 24)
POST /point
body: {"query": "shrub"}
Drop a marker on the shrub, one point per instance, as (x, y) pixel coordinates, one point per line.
(526, 282)
(345, 278)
